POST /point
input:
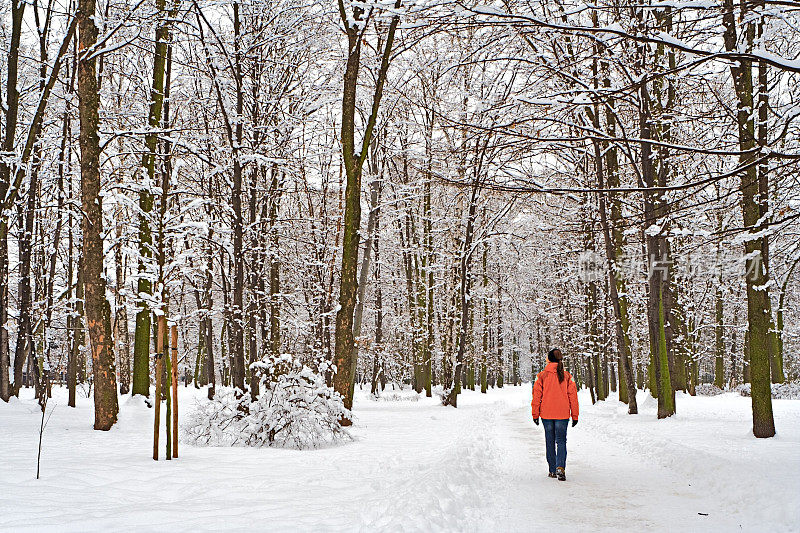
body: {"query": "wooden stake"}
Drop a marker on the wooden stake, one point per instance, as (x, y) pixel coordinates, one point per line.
(174, 361)
(162, 321)
(168, 397)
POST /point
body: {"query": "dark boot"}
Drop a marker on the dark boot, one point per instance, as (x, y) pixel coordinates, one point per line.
(551, 474)
(560, 473)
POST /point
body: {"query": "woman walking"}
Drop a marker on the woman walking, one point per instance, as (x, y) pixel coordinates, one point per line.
(555, 397)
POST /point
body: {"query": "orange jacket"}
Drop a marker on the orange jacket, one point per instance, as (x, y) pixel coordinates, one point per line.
(554, 400)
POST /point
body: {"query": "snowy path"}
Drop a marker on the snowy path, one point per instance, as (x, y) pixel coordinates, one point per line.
(414, 466)
(702, 470)
(608, 488)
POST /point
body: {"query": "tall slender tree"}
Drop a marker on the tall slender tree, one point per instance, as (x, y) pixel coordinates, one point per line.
(353, 157)
(98, 310)
(759, 305)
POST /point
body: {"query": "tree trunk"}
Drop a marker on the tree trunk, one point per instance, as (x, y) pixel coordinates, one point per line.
(76, 330)
(775, 359)
(377, 368)
(98, 310)
(237, 319)
(486, 325)
(427, 270)
(24, 347)
(353, 166)
(658, 265)
(719, 340)
(372, 218)
(501, 362)
(11, 112)
(121, 334)
(465, 296)
(142, 334)
(274, 268)
(759, 307)
(207, 324)
(719, 315)
(599, 378)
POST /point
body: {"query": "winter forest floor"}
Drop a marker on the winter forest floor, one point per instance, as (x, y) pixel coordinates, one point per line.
(413, 466)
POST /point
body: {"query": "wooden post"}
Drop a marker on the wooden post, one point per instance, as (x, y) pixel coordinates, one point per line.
(174, 361)
(162, 321)
(167, 396)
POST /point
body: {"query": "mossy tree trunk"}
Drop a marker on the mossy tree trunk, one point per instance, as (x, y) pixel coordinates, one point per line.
(144, 324)
(658, 260)
(759, 307)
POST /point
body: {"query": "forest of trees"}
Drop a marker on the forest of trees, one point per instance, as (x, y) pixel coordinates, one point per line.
(428, 193)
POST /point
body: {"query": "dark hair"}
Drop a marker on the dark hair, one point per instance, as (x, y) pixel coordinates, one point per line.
(555, 356)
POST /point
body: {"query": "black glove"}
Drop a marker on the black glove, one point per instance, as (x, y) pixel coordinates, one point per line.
(575, 422)
(536, 421)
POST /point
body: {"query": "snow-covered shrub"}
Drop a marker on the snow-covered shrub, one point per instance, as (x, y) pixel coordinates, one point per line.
(708, 389)
(396, 396)
(296, 409)
(272, 368)
(780, 391)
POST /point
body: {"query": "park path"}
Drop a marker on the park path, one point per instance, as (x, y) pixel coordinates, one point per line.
(609, 487)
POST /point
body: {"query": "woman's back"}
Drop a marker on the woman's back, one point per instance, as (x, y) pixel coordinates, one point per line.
(555, 396)
(554, 399)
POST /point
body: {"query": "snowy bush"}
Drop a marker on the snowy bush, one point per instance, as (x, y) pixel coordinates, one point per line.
(272, 368)
(396, 396)
(296, 409)
(780, 391)
(708, 389)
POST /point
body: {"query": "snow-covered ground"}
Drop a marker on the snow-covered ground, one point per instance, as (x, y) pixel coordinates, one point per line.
(413, 466)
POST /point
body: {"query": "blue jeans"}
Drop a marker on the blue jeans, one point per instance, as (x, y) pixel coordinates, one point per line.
(555, 434)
